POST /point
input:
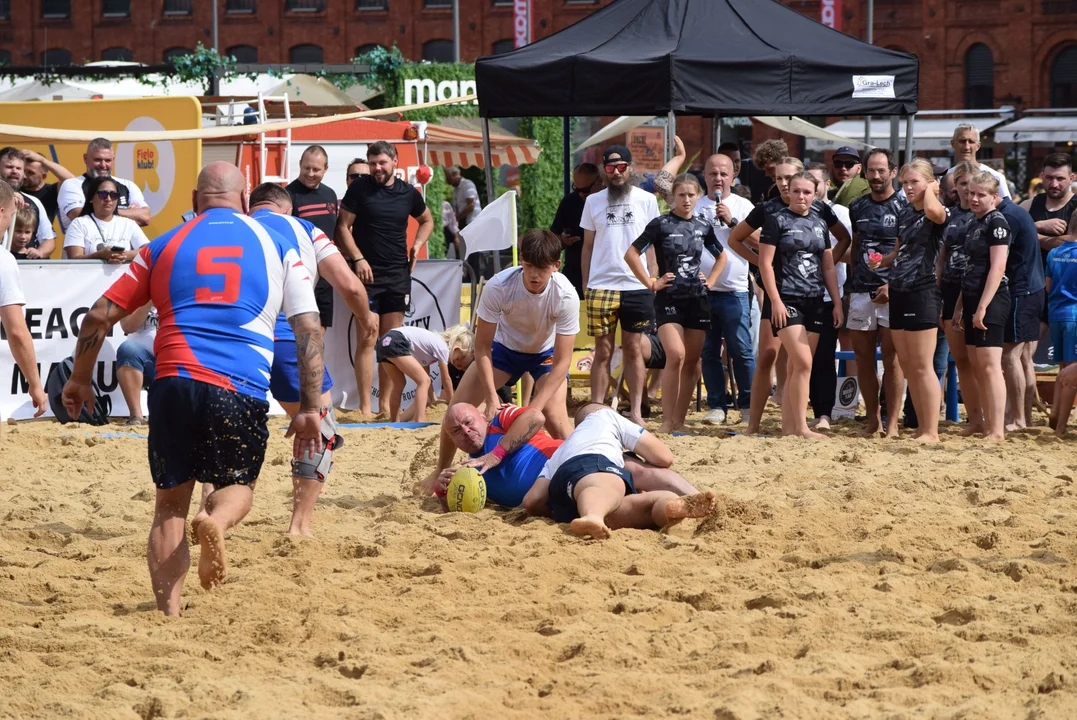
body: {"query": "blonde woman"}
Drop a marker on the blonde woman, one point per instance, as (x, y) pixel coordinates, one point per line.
(915, 305)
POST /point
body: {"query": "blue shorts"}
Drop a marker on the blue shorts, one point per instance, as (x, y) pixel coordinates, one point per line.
(563, 483)
(203, 432)
(517, 363)
(284, 377)
(135, 355)
(1064, 341)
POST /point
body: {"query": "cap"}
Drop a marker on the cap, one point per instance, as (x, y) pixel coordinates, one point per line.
(848, 150)
(620, 150)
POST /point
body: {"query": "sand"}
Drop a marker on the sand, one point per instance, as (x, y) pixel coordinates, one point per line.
(845, 579)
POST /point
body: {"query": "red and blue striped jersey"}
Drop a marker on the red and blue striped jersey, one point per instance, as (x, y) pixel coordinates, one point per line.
(507, 483)
(218, 282)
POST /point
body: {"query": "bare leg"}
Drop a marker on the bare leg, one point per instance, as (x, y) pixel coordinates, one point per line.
(893, 379)
(864, 342)
(305, 491)
(558, 423)
(672, 336)
(1063, 404)
(916, 350)
(130, 381)
(690, 372)
(966, 379)
(392, 390)
(386, 322)
(597, 495)
(1014, 373)
(657, 509)
(764, 366)
(1028, 349)
(207, 490)
(364, 368)
(635, 373)
(647, 477)
(795, 340)
(987, 362)
(167, 553)
(600, 367)
(410, 366)
(781, 375)
(527, 389)
(226, 507)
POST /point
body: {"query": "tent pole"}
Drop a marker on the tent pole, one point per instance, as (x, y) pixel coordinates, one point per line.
(909, 145)
(895, 136)
(491, 189)
(671, 131)
(567, 154)
(716, 133)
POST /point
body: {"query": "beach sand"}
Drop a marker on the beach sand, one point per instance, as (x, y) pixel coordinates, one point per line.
(851, 578)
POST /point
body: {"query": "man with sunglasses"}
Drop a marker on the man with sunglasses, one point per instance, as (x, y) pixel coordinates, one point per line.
(848, 185)
(566, 223)
(356, 169)
(612, 220)
(316, 202)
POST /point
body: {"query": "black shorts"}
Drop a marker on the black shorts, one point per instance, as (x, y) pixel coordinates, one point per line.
(1023, 324)
(814, 314)
(950, 293)
(764, 309)
(692, 313)
(385, 300)
(657, 360)
(563, 483)
(323, 295)
(998, 312)
(203, 432)
(915, 310)
(392, 344)
(637, 310)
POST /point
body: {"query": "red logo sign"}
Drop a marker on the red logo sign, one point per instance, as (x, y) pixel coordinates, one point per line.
(521, 22)
(830, 13)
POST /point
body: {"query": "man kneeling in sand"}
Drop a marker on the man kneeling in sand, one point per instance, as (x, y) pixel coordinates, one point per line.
(512, 449)
(589, 487)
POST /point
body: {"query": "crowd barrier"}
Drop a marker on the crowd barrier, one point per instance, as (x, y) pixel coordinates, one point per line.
(60, 292)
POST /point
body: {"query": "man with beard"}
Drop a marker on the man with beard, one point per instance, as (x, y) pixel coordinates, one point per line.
(848, 184)
(372, 232)
(43, 240)
(99, 159)
(1052, 209)
(566, 222)
(612, 220)
(36, 169)
(966, 143)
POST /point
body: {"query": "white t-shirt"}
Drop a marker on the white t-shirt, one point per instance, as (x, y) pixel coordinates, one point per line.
(44, 227)
(10, 285)
(604, 433)
(1003, 186)
(92, 234)
(735, 276)
(840, 268)
(147, 331)
(427, 347)
(466, 189)
(616, 227)
(71, 196)
(528, 323)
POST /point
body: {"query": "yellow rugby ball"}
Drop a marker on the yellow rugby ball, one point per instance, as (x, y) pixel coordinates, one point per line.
(467, 491)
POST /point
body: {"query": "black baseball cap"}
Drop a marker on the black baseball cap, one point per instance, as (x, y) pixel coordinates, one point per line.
(621, 150)
(847, 150)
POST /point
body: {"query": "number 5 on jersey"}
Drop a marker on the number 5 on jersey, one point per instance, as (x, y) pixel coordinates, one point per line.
(219, 262)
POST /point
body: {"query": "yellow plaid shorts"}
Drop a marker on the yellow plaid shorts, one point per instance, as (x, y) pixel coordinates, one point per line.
(633, 309)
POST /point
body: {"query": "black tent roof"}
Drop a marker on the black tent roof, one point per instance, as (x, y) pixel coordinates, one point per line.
(697, 57)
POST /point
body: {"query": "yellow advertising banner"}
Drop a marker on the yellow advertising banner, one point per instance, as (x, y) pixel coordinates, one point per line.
(165, 171)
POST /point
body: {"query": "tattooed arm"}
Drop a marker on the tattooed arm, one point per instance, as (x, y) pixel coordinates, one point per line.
(95, 327)
(523, 428)
(309, 348)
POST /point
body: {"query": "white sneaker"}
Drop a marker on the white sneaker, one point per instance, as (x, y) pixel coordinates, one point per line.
(714, 417)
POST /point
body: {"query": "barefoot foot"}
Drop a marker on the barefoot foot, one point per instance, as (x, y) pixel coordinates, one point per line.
(592, 527)
(212, 566)
(821, 423)
(926, 438)
(972, 430)
(690, 506)
(195, 522)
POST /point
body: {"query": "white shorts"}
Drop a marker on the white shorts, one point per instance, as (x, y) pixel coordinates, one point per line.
(866, 315)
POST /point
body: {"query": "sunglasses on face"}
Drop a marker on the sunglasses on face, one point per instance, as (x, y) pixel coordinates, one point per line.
(354, 176)
(845, 164)
(108, 195)
(621, 167)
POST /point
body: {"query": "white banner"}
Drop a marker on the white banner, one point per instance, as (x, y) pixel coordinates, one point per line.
(59, 293)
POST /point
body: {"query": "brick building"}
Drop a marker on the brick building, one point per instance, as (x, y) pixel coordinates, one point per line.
(974, 53)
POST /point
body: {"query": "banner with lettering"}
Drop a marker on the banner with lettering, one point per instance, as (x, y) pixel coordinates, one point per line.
(60, 293)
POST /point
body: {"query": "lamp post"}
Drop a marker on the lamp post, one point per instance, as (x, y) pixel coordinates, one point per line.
(871, 40)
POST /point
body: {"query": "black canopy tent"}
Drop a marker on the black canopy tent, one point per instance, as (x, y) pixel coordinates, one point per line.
(697, 57)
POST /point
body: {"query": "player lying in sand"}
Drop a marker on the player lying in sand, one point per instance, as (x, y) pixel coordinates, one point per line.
(511, 450)
(589, 487)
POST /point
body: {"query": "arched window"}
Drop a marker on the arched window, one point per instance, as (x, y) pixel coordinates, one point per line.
(979, 77)
(504, 46)
(364, 49)
(1064, 78)
(5, 57)
(244, 53)
(174, 52)
(305, 54)
(118, 54)
(56, 56)
(438, 51)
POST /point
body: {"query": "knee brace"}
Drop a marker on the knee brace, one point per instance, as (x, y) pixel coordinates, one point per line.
(317, 467)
